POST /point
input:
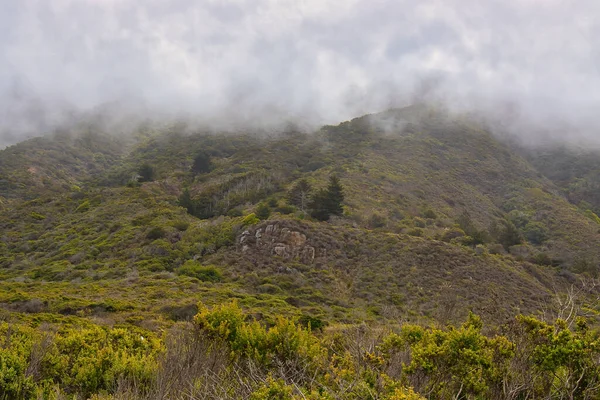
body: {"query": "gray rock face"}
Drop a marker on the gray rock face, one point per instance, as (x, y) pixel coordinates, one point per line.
(279, 242)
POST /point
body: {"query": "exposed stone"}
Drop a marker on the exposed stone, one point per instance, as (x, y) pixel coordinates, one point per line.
(296, 239)
(281, 242)
(308, 255)
(281, 250)
(244, 237)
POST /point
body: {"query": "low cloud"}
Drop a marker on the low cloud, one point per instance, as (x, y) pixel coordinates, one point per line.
(260, 62)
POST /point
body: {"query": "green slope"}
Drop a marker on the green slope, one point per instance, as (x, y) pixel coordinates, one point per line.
(76, 241)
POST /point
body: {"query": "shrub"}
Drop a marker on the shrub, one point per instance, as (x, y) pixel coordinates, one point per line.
(429, 214)
(181, 313)
(84, 206)
(181, 226)
(250, 219)
(269, 288)
(541, 259)
(281, 343)
(235, 212)
(470, 361)
(263, 211)
(418, 232)
(377, 221)
(311, 322)
(15, 347)
(419, 222)
(202, 163)
(507, 234)
(155, 232)
(452, 233)
(37, 216)
(285, 209)
(273, 390)
(94, 359)
(196, 270)
(535, 233)
(146, 173)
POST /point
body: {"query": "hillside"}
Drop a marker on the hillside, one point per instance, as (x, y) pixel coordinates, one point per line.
(424, 181)
(440, 219)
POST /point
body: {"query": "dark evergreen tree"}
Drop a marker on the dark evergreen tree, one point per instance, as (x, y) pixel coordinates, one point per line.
(509, 235)
(329, 201)
(318, 206)
(205, 208)
(185, 200)
(202, 163)
(146, 173)
(476, 236)
(335, 196)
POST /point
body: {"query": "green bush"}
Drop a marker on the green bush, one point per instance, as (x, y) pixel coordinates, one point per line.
(417, 232)
(250, 219)
(377, 221)
(472, 362)
(273, 390)
(452, 233)
(37, 216)
(429, 214)
(146, 173)
(84, 206)
(198, 271)
(282, 342)
(311, 322)
(535, 233)
(263, 211)
(235, 212)
(156, 232)
(419, 222)
(285, 209)
(181, 226)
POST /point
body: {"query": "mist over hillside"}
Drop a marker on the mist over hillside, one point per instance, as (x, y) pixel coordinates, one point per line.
(529, 64)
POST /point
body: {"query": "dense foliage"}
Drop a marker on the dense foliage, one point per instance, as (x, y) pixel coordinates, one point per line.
(227, 354)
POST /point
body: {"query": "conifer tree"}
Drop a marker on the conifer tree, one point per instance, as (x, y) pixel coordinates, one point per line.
(329, 201)
(202, 163)
(146, 173)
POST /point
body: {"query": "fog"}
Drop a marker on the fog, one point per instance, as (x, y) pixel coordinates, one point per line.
(532, 65)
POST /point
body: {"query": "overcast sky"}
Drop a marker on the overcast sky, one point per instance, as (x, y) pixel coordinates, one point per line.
(320, 60)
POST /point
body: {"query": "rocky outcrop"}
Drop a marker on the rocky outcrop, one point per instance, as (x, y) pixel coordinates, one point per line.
(281, 242)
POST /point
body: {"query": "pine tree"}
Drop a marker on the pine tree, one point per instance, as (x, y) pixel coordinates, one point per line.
(508, 235)
(146, 173)
(202, 163)
(335, 196)
(185, 200)
(329, 201)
